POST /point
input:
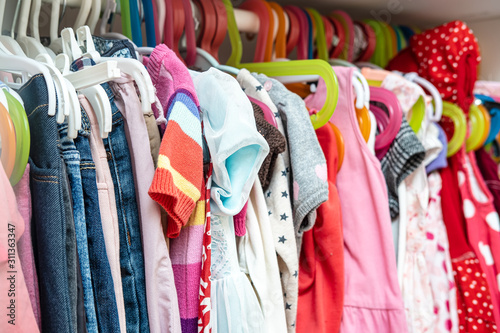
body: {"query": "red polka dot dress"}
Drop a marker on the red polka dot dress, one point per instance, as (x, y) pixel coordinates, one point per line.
(482, 222)
(475, 308)
(448, 57)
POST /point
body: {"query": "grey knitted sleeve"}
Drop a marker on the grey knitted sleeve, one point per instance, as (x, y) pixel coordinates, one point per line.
(309, 186)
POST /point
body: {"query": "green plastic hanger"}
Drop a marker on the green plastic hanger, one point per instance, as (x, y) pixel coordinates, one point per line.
(478, 125)
(320, 34)
(126, 18)
(304, 67)
(417, 114)
(234, 36)
(456, 115)
(380, 47)
(8, 136)
(23, 137)
(389, 41)
(286, 68)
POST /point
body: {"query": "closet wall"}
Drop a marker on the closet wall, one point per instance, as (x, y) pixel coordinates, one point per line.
(483, 16)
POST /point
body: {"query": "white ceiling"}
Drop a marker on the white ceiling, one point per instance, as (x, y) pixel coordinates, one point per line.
(420, 12)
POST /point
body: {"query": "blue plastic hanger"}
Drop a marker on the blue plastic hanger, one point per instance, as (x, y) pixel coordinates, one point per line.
(310, 37)
(494, 110)
(149, 20)
(135, 22)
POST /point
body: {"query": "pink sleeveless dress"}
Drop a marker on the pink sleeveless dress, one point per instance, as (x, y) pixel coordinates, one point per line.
(372, 300)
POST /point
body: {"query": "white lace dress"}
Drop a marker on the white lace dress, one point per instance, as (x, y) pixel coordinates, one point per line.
(235, 304)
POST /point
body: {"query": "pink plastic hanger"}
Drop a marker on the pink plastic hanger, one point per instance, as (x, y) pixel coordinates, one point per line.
(190, 33)
(304, 31)
(174, 24)
(293, 30)
(259, 8)
(391, 122)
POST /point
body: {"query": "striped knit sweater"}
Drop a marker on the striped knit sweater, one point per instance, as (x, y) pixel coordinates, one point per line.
(178, 182)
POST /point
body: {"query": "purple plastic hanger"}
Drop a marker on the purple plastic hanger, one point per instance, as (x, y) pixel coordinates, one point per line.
(389, 121)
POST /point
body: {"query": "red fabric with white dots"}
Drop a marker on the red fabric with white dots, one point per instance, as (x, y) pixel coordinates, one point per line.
(447, 56)
(467, 271)
(475, 311)
(481, 219)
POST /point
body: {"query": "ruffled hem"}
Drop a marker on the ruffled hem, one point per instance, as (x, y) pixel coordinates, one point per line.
(236, 307)
(364, 320)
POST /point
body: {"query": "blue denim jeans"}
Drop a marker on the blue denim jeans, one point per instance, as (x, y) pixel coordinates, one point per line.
(71, 157)
(131, 256)
(102, 281)
(54, 233)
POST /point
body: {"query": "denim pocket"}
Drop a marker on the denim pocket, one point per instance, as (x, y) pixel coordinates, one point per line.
(50, 239)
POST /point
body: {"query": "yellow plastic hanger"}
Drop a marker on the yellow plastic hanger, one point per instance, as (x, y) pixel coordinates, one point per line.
(486, 133)
(478, 124)
(8, 136)
(304, 67)
(320, 34)
(234, 36)
(417, 114)
(287, 68)
(23, 137)
(456, 115)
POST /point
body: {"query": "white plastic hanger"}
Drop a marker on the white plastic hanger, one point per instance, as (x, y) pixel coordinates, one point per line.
(71, 102)
(94, 14)
(110, 9)
(28, 67)
(31, 46)
(83, 13)
(8, 41)
(360, 97)
(366, 88)
(2, 10)
(55, 41)
(85, 80)
(131, 67)
(438, 101)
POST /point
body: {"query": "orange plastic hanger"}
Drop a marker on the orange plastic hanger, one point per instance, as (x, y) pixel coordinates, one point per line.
(340, 145)
(280, 44)
(292, 37)
(258, 7)
(268, 54)
(221, 31)
(8, 135)
(364, 121)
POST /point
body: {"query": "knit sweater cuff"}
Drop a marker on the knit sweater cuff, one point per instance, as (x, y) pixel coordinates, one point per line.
(155, 61)
(178, 205)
